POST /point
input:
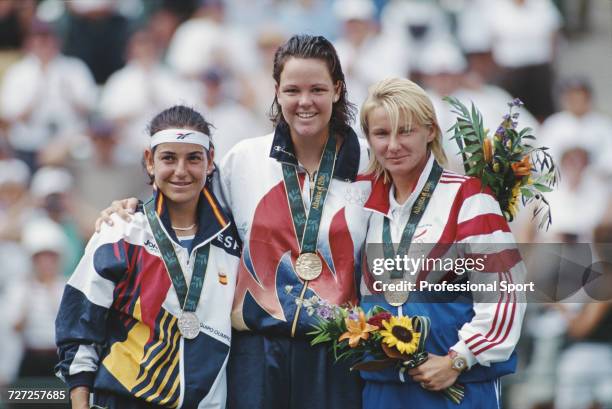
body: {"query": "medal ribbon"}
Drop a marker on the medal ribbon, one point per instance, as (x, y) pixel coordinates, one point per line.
(307, 226)
(188, 298)
(418, 208)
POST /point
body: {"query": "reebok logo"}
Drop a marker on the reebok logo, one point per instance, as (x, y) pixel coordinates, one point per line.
(182, 135)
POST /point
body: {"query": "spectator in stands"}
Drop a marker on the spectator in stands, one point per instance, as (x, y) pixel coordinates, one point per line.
(51, 189)
(232, 121)
(34, 302)
(416, 22)
(579, 124)
(208, 39)
(136, 92)
(44, 95)
(97, 33)
(579, 201)
(524, 40)
(367, 54)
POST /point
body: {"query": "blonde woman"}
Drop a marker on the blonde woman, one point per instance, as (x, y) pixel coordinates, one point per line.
(414, 200)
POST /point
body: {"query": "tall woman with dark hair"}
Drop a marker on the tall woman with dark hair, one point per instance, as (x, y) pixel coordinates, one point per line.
(297, 200)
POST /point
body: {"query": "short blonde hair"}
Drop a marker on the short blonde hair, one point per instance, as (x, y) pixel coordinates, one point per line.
(401, 96)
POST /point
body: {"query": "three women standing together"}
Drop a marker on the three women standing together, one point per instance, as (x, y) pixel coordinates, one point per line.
(297, 200)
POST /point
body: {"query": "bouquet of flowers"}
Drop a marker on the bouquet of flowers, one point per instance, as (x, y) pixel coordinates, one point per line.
(506, 162)
(373, 341)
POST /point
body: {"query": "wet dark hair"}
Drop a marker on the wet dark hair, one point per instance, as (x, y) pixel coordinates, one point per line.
(178, 116)
(307, 46)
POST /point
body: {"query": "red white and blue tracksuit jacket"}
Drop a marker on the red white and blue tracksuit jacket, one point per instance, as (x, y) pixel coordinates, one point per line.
(117, 325)
(460, 212)
(253, 188)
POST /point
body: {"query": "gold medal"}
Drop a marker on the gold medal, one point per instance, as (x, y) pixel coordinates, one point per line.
(189, 325)
(396, 297)
(308, 266)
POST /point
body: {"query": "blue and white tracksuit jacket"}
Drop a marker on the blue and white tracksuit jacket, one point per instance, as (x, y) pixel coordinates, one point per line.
(253, 188)
(485, 333)
(117, 325)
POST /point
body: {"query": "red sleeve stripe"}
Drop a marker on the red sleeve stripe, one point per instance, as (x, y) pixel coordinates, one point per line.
(508, 329)
(489, 343)
(493, 325)
(482, 224)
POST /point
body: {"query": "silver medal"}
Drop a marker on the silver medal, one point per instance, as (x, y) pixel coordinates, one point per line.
(189, 325)
(396, 297)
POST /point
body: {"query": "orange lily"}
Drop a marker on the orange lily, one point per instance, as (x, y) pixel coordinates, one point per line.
(522, 168)
(357, 330)
(487, 150)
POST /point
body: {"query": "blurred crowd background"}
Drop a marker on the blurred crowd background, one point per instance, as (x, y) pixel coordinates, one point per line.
(80, 79)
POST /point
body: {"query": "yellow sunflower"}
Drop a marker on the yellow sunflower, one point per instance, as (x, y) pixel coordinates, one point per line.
(399, 333)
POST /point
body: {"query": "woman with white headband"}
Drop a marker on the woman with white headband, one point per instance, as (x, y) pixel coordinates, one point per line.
(145, 318)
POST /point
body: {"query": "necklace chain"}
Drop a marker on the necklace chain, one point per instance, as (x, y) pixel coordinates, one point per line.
(184, 228)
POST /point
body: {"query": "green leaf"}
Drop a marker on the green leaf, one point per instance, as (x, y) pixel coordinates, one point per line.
(542, 188)
(473, 148)
(476, 157)
(526, 192)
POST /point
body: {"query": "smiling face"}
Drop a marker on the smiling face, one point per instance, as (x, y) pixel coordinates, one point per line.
(179, 170)
(306, 94)
(401, 149)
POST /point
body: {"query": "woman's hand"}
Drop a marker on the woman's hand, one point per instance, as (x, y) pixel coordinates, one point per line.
(124, 208)
(79, 397)
(436, 374)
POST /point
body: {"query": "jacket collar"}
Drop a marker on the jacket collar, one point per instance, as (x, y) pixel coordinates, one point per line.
(347, 160)
(379, 199)
(212, 219)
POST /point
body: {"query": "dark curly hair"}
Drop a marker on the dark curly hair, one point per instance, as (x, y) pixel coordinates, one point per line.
(178, 116)
(307, 46)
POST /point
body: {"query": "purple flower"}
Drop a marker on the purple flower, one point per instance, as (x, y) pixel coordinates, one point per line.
(517, 102)
(515, 115)
(500, 131)
(353, 315)
(507, 116)
(325, 312)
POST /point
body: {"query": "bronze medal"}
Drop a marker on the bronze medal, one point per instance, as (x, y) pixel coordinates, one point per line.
(189, 325)
(308, 266)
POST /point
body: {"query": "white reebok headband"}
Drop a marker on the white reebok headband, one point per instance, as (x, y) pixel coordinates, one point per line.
(180, 136)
